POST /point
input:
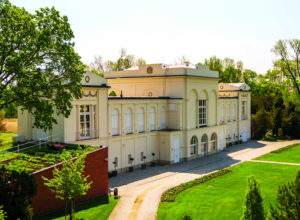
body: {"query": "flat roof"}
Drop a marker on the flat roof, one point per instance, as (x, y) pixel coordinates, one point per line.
(160, 97)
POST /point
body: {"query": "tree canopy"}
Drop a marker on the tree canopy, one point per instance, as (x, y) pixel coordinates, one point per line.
(39, 69)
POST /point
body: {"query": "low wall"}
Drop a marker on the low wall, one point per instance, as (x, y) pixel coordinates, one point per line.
(95, 166)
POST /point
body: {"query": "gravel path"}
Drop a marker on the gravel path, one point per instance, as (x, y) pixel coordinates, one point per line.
(141, 190)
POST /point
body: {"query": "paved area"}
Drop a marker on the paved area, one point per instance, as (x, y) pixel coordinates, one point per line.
(141, 190)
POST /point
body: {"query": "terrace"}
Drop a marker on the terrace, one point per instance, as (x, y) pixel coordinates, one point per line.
(35, 155)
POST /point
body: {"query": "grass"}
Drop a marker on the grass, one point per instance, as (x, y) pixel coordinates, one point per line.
(290, 154)
(6, 140)
(223, 197)
(98, 208)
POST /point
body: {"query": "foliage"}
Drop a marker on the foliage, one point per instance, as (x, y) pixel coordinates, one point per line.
(10, 111)
(263, 121)
(69, 182)
(288, 52)
(16, 191)
(2, 214)
(112, 93)
(99, 66)
(2, 124)
(39, 69)
(170, 194)
(288, 201)
(254, 209)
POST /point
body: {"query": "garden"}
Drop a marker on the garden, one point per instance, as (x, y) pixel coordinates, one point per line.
(223, 196)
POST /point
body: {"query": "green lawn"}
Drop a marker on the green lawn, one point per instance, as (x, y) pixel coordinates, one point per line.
(289, 154)
(98, 208)
(6, 140)
(223, 197)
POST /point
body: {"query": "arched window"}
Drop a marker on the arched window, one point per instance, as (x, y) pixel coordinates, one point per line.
(213, 142)
(193, 146)
(163, 118)
(141, 120)
(128, 121)
(228, 113)
(233, 113)
(222, 113)
(204, 144)
(115, 122)
(152, 117)
(202, 112)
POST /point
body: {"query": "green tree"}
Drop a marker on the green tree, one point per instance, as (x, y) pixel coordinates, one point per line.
(69, 182)
(16, 191)
(214, 63)
(288, 52)
(39, 69)
(253, 205)
(263, 121)
(288, 202)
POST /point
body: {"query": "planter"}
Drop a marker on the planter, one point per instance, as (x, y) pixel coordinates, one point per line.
(153, 164)
(241, 142)
(143, 166)
(230, 144)
(114, 173)
(130, 169)
(236, 142)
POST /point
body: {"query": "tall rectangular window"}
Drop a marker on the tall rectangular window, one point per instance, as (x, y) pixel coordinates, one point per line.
(244, 115)
(228, 113)
(85, 121)
(233, 113)
(128, 121)
(115, 122)
(152, 120)
(141, 120)
(202, 112)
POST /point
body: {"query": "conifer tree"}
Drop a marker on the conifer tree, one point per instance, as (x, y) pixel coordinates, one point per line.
(253, 205)
(288, 201)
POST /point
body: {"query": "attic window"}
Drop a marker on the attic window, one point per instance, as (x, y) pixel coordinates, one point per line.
(87, 79)
(149, 70)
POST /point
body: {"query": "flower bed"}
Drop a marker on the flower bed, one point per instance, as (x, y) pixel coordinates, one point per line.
(170, 194)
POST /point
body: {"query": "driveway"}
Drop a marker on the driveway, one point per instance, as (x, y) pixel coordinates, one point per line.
(141, 190)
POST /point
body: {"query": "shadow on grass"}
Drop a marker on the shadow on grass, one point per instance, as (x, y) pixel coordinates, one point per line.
(78, 207)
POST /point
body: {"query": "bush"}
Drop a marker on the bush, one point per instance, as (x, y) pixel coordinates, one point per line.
(170, 194)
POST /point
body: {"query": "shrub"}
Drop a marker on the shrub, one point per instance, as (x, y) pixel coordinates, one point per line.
(288, 201)
(170, 194)
(254, 209)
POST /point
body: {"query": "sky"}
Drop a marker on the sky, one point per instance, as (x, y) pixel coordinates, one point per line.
(162, 31)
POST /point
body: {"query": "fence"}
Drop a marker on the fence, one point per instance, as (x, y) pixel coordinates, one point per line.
(21, 147)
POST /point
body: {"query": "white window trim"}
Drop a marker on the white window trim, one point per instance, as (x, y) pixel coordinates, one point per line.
(202, 112)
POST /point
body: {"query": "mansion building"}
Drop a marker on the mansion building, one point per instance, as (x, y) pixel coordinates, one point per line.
(165, 113)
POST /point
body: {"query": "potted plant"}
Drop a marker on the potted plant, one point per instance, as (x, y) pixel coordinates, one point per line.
(144, 165)
(131, 168)
(115, 172)
(236, 139)
(241, 139)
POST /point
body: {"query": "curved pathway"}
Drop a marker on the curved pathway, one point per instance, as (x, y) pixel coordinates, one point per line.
(141, 190)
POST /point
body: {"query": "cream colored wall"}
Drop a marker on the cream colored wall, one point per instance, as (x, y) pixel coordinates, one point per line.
(24, 123)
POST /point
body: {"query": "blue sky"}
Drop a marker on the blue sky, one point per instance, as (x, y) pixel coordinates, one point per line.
(164, 30)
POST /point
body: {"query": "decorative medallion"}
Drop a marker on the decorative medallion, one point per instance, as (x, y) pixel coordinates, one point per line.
(149, 93)
(149, 70)
(87, 79)
(221, 87)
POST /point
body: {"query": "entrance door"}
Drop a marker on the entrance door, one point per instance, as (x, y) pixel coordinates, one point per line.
(244, 135)
(176, 150)
(221, 140)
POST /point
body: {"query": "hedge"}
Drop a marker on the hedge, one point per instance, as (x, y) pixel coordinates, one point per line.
(170, 194)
